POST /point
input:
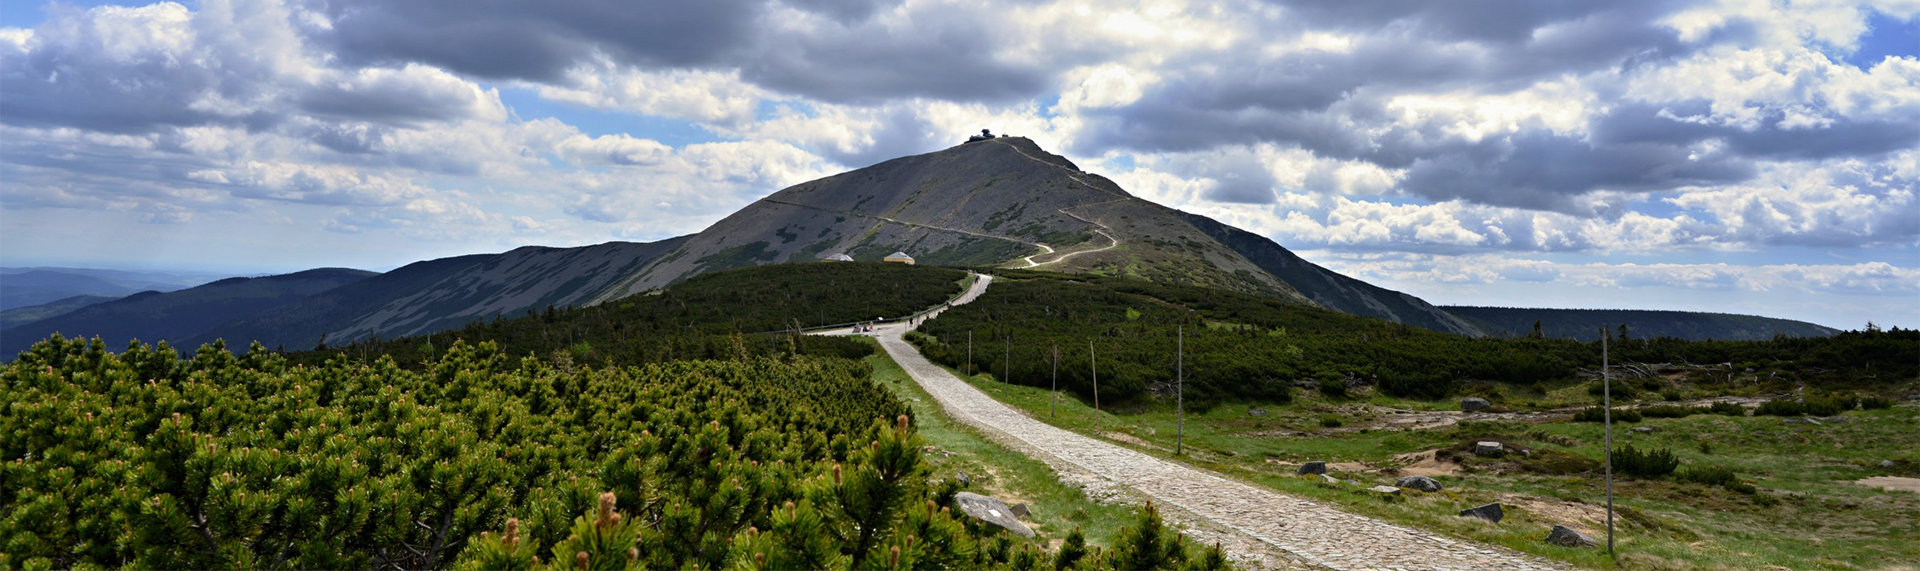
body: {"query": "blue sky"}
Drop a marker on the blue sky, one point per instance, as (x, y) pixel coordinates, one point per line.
(1673, 154)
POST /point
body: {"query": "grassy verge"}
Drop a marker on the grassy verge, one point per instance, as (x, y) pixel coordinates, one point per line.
(1806, 514)
(1012, 477)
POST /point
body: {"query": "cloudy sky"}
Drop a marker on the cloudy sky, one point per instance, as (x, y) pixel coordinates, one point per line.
(1749, 156)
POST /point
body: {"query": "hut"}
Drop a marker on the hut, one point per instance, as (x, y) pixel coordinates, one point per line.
(837, 258)
(985, 135)
(900, 257)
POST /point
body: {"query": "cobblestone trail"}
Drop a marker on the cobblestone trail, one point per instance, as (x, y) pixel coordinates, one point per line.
(1313, 532)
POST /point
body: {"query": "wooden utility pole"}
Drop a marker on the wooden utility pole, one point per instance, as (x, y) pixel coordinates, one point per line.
(1055, 393)
(1606, 392)
(1179, 388)
(1006, 363)
(1096, 384)
(969, 352)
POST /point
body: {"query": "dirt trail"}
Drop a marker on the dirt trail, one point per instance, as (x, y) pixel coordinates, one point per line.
(1257, 519)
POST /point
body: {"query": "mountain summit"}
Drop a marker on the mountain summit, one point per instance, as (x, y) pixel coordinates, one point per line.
(1006, 202)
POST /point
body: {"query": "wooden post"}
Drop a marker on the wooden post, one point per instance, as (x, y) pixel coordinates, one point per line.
(1054, 397)
(1006, 363)
(1606, 391)
(1096, 384)
(969, 371)
(1179, 389)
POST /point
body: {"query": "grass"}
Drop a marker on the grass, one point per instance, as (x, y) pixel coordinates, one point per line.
(1056, 507)
(1807, 513)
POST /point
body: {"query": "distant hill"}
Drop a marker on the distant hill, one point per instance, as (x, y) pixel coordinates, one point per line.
(152, 316)
(1585, 324)
(21, 287)
(32, 313)
(42, 286)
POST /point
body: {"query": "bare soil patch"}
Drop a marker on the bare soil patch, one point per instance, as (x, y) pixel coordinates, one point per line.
(1892, 483)
(1425, 463)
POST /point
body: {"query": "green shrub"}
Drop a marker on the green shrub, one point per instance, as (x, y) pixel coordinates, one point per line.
(1335, 387)
(1672, 411)
(1331, 421)
(1708, 476)
(1830, 405)
(1621, 391)
(1670, 395)
(1727, 409)
(1875, 403)
(1781, 407)
(1598, 414)
(1650, 464)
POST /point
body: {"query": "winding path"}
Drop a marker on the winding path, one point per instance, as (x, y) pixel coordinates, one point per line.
(1311, 532)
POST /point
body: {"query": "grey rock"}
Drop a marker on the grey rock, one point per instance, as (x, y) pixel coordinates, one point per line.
(1421, 483)
(1490, 512)
(1565, 537)
(1313, 468)
(1471, 404)
(990, 510)
(1257, 412)
(1020, 511)
(1835, 419)
(1488, 449)
(1331, 480)
(1385, 490)
(963, 479)
(1886, 464)
(1643, 429)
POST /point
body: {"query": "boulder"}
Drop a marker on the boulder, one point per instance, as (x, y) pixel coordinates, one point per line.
(1330, 480)
(1886, 464)
(1471, 404)
(1313, 468)
(990, 510)
(1565, 537)
(1643, 429)
(1421, 483)
(1490, 512)
(1257, 412)
(963, 479)
(1385, 490)
(1488, 449)
(1021, 511)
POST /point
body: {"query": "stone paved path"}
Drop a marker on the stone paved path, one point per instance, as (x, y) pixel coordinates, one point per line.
(1313, 532)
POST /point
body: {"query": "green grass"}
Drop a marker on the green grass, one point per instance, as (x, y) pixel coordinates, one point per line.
(1818, 518)
(1057, 507)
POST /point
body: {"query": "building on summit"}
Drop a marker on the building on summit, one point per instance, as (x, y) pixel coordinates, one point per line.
(900, 257)
(837, 258)
(985, 135)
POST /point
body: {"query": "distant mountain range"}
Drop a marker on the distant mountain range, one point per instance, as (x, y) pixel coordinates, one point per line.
(1001, 202)
(1585, 324)
(22, 287)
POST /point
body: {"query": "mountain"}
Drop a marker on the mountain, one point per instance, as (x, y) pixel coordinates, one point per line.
(152, 316)
(1585, 324)
(1006, 202)
(32, 313)
(442, 294)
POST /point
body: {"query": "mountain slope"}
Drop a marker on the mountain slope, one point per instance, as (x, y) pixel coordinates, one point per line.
(153, 316)
(302, 324)
(32, 313)
(1007, 202)
(1585, 324)
(506, 284)
(1330, 289)
(1003, 201)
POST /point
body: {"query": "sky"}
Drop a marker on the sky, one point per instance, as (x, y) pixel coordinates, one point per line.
(1741, 156)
